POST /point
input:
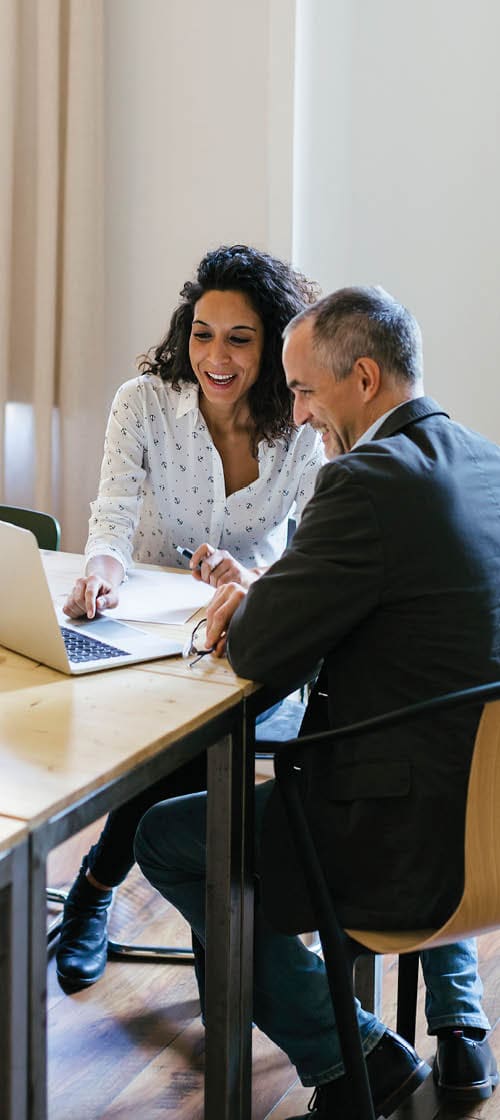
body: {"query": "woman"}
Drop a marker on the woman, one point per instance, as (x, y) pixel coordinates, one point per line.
(202, 443)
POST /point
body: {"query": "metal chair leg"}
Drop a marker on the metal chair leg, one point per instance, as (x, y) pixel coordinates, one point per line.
(150, 952)
(407, 995)
(53, 928)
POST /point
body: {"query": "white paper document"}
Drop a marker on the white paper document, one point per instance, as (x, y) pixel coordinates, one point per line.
(167, 597)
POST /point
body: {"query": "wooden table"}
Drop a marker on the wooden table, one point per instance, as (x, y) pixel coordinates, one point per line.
(73, 748)
(13, 967)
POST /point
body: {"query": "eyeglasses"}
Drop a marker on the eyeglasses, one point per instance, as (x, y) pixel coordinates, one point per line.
(197, 643)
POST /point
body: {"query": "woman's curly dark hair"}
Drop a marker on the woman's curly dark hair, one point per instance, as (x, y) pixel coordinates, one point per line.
(276, 292)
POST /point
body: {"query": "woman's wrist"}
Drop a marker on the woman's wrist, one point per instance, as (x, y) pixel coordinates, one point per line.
(108, 568)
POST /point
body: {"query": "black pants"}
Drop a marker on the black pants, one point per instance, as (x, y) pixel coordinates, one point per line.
(112, 857)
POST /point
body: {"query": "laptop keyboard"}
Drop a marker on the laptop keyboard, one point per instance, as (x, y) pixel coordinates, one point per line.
(80, 647)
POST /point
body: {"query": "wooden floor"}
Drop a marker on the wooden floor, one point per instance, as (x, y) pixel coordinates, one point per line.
(132, 1046)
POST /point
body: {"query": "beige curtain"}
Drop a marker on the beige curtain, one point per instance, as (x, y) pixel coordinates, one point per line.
(51, 256)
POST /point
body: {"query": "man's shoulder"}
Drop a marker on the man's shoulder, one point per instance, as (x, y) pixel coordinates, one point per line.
(436, 465)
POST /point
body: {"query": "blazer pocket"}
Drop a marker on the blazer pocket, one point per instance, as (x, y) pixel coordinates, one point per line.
(377, 778)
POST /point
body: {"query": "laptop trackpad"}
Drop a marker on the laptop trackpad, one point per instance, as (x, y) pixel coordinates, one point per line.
(108, 630)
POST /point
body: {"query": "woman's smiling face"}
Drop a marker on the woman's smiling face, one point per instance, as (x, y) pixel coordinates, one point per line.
(225, 346)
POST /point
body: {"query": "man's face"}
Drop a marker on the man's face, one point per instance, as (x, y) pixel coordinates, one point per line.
(333, 408)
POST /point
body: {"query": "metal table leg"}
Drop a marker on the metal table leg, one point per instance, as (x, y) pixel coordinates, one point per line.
(13, 972)
(37, 1085)
(229, 919)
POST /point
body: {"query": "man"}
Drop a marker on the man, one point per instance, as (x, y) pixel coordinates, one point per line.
(391, 582)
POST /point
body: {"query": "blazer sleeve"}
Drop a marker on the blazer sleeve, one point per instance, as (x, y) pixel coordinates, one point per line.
(323, 586)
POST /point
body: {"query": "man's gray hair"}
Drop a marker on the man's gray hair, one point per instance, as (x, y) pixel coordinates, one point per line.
(364, 322)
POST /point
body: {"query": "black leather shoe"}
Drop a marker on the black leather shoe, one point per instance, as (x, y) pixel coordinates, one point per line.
(464, 1068)
(394, 1071)
(83, 943)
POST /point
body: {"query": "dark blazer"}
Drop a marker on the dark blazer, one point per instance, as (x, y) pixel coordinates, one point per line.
(393, 581)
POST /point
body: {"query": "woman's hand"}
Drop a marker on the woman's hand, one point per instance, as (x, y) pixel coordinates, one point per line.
(219, 614)
(217, 567)
(97, 590)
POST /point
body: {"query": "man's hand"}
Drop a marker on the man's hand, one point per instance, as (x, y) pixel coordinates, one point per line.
(219, 614)
(217, 567)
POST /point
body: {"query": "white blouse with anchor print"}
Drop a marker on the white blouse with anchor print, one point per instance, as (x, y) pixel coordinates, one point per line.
(162, 483)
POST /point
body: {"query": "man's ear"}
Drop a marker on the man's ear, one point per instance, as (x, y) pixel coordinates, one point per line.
(369, 377)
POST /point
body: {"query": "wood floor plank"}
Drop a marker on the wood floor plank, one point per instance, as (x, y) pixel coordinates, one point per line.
(293, 1103)
(172, 1083)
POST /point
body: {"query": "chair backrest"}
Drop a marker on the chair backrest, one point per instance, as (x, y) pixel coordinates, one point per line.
(45, 528)
(479, 908)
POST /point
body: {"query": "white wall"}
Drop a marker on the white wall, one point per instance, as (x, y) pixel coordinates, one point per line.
(396, 164)
(199, 104)
(398, 174)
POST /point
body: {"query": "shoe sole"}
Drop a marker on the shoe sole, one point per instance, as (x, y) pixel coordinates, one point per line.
(416, 1078)
(477, 1091)
(72, 983)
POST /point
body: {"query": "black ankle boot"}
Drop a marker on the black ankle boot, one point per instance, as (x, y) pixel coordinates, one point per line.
(83, 943)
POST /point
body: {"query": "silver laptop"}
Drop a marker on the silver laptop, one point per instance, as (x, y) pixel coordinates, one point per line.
(29, 622)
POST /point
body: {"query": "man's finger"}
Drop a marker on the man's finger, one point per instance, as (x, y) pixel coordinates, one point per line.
(221, 610)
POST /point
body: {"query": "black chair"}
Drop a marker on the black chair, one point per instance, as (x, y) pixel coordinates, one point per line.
(477, 911)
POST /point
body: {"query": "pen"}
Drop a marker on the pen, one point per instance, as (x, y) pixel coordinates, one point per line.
(186, 552)
(188, 555)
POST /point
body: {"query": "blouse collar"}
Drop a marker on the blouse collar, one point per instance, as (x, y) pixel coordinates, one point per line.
(188, 399)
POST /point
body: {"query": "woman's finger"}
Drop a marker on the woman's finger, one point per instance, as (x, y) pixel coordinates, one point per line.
(200, 555)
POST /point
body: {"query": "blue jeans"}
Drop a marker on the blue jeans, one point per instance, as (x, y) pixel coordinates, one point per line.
(291, 995)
